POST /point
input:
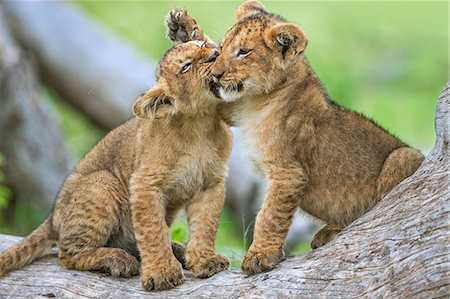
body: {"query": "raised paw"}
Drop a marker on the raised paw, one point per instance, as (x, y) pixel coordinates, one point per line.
(181, 27)
(207, 267)
(122, 264)
(261, 261)
(163, 277)
(323, 236)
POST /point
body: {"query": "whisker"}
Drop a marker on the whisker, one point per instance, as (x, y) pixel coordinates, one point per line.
(218, 35)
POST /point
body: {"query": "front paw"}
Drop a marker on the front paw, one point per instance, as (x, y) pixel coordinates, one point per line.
(163, 277)
(122, 264)
(261, 260)
(207, 267)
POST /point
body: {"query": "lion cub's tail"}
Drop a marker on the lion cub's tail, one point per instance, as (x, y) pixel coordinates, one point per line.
(28, 250)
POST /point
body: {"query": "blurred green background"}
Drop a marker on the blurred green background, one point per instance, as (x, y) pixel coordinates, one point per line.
(387, 60)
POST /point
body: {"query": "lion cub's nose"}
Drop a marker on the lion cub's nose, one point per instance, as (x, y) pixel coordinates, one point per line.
(216, 77)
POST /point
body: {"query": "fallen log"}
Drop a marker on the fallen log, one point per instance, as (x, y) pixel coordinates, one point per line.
(36, 158)
(399, 249)
(87, 65)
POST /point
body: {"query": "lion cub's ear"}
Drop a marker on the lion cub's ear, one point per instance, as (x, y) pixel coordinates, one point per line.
(288, 38)
(248, 8)
(154, 104)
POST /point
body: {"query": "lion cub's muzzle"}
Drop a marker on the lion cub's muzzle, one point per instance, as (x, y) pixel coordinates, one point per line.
(214, 88)
(228, 91)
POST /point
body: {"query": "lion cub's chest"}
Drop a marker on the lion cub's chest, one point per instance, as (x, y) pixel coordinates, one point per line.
(255, 130)
(195, 169)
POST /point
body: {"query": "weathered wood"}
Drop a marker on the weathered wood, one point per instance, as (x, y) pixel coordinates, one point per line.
(30, 140)
(399, 249)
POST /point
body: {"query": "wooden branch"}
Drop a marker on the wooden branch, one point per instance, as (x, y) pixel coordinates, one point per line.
(399, 249)
(36, 159)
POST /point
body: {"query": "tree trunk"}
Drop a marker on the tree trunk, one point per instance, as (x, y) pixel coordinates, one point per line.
(399, 249)
(36, 159)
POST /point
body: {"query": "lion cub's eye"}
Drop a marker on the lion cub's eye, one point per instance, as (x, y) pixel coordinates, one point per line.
(186, 67)
(243, 52)
(212, 58)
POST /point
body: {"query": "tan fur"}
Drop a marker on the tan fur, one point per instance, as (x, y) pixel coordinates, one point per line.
(331, 162)
(118, 204)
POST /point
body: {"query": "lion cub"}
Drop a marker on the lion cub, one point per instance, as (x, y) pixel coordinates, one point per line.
(116, 207)
(315, 155)
(331, 162)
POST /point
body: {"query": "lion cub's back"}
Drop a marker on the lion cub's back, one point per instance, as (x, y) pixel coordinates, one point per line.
(348, 158)
(114, 151)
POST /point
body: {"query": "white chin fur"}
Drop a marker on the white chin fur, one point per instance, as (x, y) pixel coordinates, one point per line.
(228, 96)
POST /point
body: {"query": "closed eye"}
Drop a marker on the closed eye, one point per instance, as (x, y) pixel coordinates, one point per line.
(212, 58)
(186, 67)
(243, 52)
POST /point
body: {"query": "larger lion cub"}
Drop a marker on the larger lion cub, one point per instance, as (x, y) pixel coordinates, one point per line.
(118, 204)
(331, 162)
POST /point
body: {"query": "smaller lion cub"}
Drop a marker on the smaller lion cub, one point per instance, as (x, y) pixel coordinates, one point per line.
(116, 207)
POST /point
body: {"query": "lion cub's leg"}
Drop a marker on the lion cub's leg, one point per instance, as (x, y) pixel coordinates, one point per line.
(325, 235)
(400, 164)
(285, 186)
(114, 261)
(180, 253)
(160, 270)
(178, 249)
(203, 213)
(93, 214)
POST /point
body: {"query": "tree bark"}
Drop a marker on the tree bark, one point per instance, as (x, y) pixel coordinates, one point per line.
(399, 249)
(36, 159)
